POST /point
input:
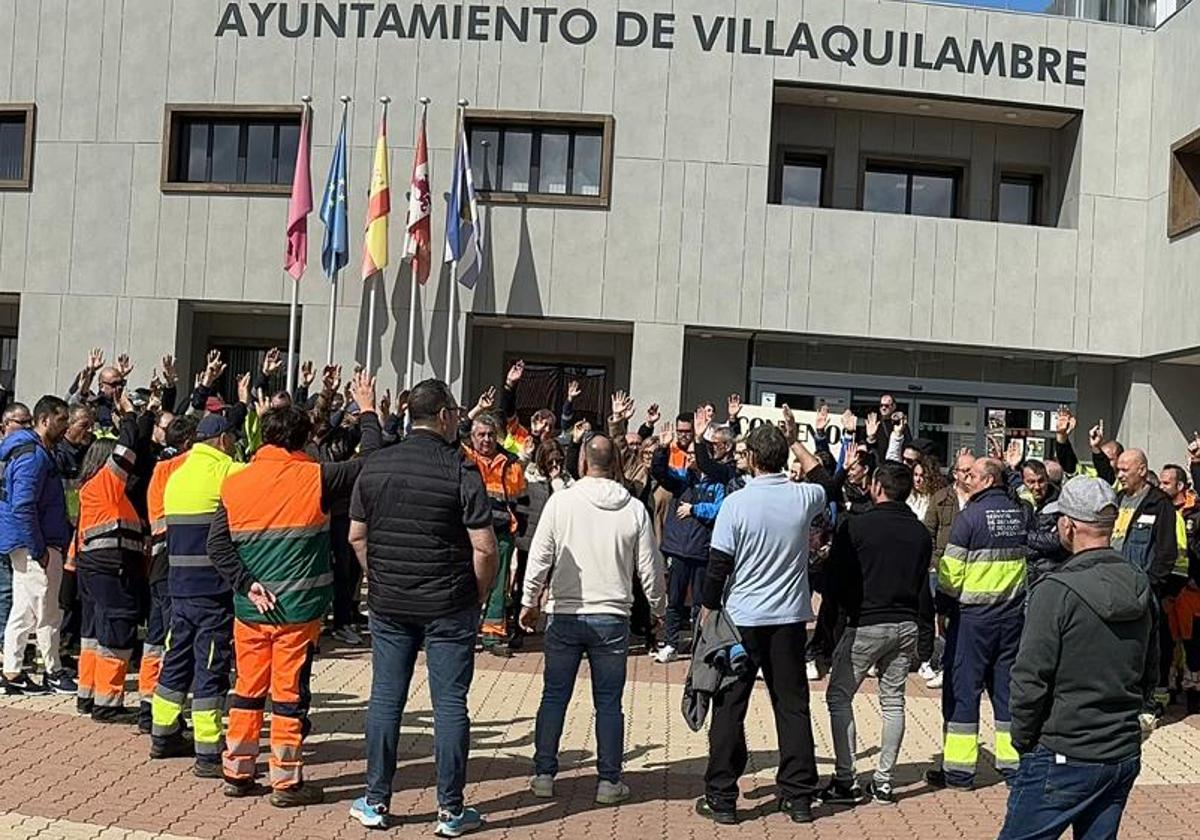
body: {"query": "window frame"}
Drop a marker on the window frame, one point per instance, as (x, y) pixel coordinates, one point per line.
(174, 115)
(1028, 174)
(803, 154)
(1183, 186)
(958, 170)
(548, 120)
(28, 111)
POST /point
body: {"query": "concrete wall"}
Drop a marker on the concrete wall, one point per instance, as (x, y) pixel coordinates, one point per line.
(105, 264)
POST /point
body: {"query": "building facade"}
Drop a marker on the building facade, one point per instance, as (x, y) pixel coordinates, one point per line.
(987, 213)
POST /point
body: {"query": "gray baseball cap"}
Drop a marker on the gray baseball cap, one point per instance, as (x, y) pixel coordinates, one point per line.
(1085, 499)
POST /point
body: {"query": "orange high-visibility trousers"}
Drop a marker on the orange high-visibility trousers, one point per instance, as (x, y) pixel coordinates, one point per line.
(275, 659)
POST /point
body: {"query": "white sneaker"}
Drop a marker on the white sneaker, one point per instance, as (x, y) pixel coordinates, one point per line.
(611, 793)
(926, 672)
(873, 671)
(935, 681)
(347, 636)
(812, 671)
(542, 787)
(665, 654)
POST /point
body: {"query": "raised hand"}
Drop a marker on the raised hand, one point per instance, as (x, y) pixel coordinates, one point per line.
(849, 422)
(124, 403)
(272, 361)
(487, 400)
(734, 405)
(1096, 436)
(790, 429)
(362, 390)
(402, 403)
(1063, 426)
(331, 378)
(385, 403)
(1194, 448)
(573, 390)
(308, 373)
(124, 365)
(95, 359)
(213, 368)
(822, 422)
(900, 422)
(700, 421)
(653, 415)
(170, 375)
(261, 404)
(1013, 454)
(243, 388)
(873, 425)
(666, 435)
(515, 373)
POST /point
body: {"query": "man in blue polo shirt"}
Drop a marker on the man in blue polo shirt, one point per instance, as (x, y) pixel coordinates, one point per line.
(760, 549)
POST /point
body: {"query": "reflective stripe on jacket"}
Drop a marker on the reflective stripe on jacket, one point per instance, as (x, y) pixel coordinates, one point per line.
(282, 534)
(189, 502)
(984, 562)
(110, 534)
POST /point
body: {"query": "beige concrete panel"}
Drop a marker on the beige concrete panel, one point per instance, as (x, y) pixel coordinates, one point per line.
(262, 275)
(820, 15)
(1017, 278)
(1054, 310)
(520, 71)
(600, 59)
(50, 217)
(195, 272)
(944, 271)
(143, 71)
(751, 92)
(51, 35)
(631, 252)
(87, 321)
(976, 28)
(777, 257)
(1020, 29)
(225, 259)
(142, 233)
(1119, 254)
(578, 263)
(754, 257)
(101, 221)
(916, 16)
(640, 100)
(670, 232)
(81, 70)
(924, 263)
(437, 78)
(562, 71)
(8, 26)
(1132, 174)
(26, 20)
(42, 327)
(841, 261)
(882, 17)
(148, 329)
(723, 244)
(1099, 134)
(940, 22)
(365, 112)
(1083, 270)
(1057, 36)
(974, 282)
(171, 245)
(113, 26)
(487, 73)
(656, 368)
(890, 304)
(193, 68)
(14, 232)
(1077, 39)
(698, 133)
(691, 241)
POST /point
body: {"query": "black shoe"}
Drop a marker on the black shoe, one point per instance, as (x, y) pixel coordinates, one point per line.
(60, 682)
(1193, 702)
(235, 790)
(841, 793)
(501, 649)
(207, 769)
(881, 794)
(295, 797)
(935, 778)
(145, 724)
(176, 747)
(22, 684)
(84, 705)
(706, 810)
(115, 714)
(798, 810)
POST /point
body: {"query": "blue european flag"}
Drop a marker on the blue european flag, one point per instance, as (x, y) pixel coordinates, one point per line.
(335, 248)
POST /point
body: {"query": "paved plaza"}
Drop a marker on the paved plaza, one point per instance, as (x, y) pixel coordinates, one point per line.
(63, 776)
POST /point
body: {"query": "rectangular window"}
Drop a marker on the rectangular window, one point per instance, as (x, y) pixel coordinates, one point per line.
(16, 147)
(802, 180)
(911, 190)
(541, 158)
(1183, 191)
(230, 149)
(1018, 198)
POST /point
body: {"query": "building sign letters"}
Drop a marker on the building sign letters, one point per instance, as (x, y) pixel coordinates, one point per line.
(852, 46)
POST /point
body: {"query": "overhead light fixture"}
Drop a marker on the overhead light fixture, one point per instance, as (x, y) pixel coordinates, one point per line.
(1011, 115)
(506, 326)
(923, 106)
(706, 335)
(832, 100)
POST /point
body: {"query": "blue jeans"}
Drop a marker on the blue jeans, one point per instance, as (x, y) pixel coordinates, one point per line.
(5, 593)
(450, 658)
(1048, 796)
(605, 640)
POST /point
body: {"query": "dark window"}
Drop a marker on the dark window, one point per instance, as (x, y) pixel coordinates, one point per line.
(915, 191)
(551, 161)
(1018, 199)
(802, 181)
(16, 147)
(544, 385)
(233, 149)
(1183, 193)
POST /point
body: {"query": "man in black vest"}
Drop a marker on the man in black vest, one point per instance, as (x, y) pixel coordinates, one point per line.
(421, 525)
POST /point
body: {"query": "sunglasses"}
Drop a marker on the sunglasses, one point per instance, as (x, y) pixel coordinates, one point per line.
(116, 383)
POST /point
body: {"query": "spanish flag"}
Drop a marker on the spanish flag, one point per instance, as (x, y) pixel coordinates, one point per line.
(379, 204)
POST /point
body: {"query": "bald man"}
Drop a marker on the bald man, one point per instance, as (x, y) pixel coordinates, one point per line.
(981, 594)
(1145, 534)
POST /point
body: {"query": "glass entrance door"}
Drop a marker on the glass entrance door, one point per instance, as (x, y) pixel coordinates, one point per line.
(947, 424)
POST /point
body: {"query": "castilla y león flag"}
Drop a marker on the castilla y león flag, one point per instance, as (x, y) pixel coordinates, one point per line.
(379, 204)
(420, 201)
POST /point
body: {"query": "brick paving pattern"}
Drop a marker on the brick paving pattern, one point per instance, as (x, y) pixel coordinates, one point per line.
(63, 776)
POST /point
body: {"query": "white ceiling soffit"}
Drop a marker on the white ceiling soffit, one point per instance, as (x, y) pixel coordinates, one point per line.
(975, 110)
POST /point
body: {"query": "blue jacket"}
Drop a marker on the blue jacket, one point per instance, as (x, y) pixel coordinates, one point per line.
(983, 566)
(688, 538)
(33, 510)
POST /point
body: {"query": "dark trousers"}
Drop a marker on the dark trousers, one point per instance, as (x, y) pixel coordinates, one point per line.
(1050, 795)
(347, 574)
(158, 622)
(926, 630)
(109, 608)
(450, 659)
(779, 652)
(684, 576)
(70, 628)
(830, 624)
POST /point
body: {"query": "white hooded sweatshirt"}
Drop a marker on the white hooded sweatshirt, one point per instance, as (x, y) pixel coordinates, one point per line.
(590, 541)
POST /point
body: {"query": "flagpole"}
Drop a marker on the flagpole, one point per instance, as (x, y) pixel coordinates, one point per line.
(412, 294)
(451, 331)
(336, 274)
(294, 309)
(375, 278)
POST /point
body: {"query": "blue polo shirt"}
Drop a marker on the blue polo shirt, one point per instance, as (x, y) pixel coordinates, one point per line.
(764, 527)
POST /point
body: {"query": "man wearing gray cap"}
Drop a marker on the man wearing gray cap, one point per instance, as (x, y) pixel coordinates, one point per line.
(1079, 678)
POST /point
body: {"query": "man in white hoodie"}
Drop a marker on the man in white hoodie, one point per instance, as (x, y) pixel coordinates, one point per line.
(594, 537)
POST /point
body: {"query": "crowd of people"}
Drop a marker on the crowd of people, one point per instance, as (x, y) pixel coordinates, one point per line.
(189, 539)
